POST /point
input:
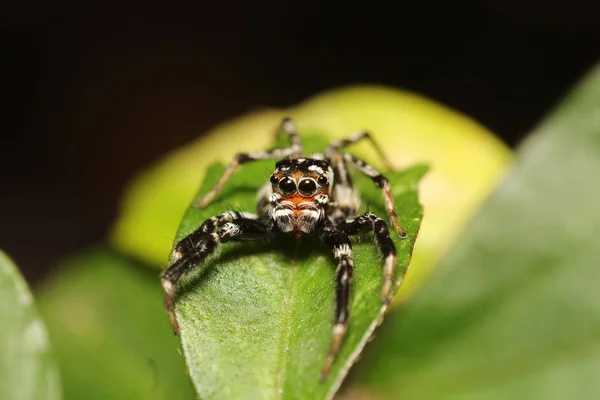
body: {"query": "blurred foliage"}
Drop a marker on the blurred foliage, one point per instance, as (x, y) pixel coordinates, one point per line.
(27, 369)
(466, 163)
(514, 310)
(256, 321)
(109, 329)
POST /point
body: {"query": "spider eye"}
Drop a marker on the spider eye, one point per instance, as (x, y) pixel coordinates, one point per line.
(287, 186)
(274, 179)
(322, 180)
(307, 186)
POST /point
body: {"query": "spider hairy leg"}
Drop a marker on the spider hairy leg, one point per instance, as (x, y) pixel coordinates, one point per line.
(383, 183)
(228, 216)
(294, 150)
(238, 159)
(347, 199)
(191, 252)
(370, 222)
(341, 246)
(337, 145)
(289, 128)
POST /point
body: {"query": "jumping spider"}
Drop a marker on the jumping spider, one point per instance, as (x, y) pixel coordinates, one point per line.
(304, 196)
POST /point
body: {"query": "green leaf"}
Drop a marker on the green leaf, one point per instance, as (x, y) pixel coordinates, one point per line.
(106, 319)
(514, 312)
(27, 368)
(256, 319)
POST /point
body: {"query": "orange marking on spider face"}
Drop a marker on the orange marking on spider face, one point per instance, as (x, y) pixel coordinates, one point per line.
(297, 199)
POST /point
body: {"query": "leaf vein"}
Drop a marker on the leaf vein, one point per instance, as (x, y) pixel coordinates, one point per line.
(285, 329)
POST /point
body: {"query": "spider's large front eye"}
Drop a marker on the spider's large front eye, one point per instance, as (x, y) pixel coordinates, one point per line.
(287, 186)
(307, 186)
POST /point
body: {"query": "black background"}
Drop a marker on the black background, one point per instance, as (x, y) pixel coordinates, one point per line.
(92, 94)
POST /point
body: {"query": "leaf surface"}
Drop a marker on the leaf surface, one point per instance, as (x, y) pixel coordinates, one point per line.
(514, 312)
(256, 319)
(106, 319)
(27, 367)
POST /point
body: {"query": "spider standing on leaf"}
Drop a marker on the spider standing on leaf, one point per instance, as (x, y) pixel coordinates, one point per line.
(304, 196)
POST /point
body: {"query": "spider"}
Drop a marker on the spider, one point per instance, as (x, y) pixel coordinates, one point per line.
(303, 196)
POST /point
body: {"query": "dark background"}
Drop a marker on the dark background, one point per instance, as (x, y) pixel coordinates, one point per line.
(92, 94)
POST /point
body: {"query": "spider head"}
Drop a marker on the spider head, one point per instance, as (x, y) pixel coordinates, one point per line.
(301, 190)
(302, 178)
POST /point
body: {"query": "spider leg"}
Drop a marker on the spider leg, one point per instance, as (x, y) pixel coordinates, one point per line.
(346, 200)
(263, 201)
(383, 183)
(337, 145)
(340, 244)
(370, 222)
(288, 127)
(191, 252)
(211, 224)
(294, 150)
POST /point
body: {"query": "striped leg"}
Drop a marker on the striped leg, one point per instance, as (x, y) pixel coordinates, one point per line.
(288, 127)
(335, 146)
(294, 150)
(211, 224)
(370, 222)
(346, 199)
(191, 252)
(382, 182)
(340, 244)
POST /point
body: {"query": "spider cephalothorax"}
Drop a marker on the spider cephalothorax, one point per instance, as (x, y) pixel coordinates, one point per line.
(303, 196)
(301, 190)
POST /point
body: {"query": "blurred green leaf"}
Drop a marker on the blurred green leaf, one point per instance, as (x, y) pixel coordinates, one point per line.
(514, 312)
(107, 323)
(27, 368)
(256, 320)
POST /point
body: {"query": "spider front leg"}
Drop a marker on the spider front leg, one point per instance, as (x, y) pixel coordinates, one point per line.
(191, 252)
(228, 216)
(341, 246)
(383, 183)
(370, 222)
(294, 150)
